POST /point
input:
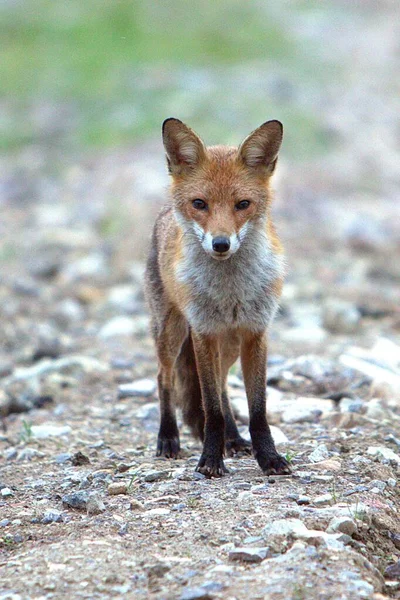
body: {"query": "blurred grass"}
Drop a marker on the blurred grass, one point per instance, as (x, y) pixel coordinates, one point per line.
(107, 72)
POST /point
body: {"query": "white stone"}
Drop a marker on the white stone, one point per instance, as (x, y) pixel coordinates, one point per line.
(118, 326)
(343, 524)
(278, 435)
(48, 430)
(284, 527)
(305, 410)
(323, 500)
(384, 453)
(320, 453)
(6, 492)
(141, 387)
(157, 512)
(376, 411)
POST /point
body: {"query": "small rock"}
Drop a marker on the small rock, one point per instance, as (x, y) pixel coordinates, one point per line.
(156, 476)
(330, 464)
(253, 555)
(77, 500)
(301, 500)
(157, 512)
(10, 453)
(28, 454)
(306, 410)
(48, 430)
(52, 516)
(376, 411)
(393, 571)
(79, 459)
(383, 453)
(6, 492)
(95, 505)
(124, 298)
(341, 317)
(278, 436)
(320, 453)
(4, 522)
(141, 388)
(62, 458)
(323, 500)
(198, 593)
(121, 363)
(136, 505)
(284, 527)
(391, 482)
(158, 570)
(119, 487)
(123, 530)
(342, 524)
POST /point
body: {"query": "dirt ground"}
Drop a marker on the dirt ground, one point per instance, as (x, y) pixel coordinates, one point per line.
(75, 329)
(86, 510)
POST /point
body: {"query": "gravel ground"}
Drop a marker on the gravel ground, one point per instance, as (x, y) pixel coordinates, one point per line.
(86, 510)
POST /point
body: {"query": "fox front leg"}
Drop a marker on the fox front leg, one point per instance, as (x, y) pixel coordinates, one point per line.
(254, 366)
(208, 362)
(169, 342)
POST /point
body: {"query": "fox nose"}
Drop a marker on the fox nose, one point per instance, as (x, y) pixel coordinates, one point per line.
(221, 244)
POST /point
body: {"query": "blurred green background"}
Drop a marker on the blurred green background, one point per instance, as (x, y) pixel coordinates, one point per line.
(107, 72)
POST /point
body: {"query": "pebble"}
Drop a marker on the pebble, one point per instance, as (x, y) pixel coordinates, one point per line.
(339, 316)
(303, 500)
(52, 516)
(157, 512)
(320, 453)
(278, 435)
(198, 593)
(393, 571)
(284, 527)
(376, 411)
(383, 453)
(343, 524)
(323, 500)
(253, 555)
(77, 500)
(4, 522)
(78, 459)
(151, 476)
(48, 430)
(29, 453)
(136, 505)
(306, 410)
(356, 490)
(141, 388)
(330, 464)
(120, 487)
(6, 492)
(95, 505)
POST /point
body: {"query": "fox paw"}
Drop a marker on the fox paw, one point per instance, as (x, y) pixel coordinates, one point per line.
(168, 447)
(211, 466)
(274, 464)
(237, 446)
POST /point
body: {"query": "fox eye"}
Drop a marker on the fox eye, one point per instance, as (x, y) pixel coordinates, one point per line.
(242, 205)
(199, 204)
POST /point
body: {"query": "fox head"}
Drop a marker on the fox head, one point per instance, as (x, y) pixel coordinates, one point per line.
(221, 194)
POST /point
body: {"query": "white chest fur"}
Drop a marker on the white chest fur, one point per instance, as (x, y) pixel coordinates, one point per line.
(232, 293)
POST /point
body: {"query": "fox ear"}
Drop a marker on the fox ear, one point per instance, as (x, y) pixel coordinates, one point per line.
(184, 148)
(260, 149)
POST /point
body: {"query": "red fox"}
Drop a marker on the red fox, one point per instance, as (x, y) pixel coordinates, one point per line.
(213, 279)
